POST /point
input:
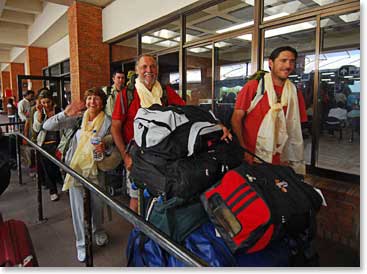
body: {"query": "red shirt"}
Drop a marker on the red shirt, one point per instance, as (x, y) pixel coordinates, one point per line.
(127, 119)
(253, 120)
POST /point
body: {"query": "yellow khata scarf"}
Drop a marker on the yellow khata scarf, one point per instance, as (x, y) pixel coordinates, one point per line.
(147, 97)
(82, 161)
(281, 133)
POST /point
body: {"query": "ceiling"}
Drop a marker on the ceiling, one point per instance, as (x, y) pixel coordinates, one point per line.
(231, 15)
(16, 16)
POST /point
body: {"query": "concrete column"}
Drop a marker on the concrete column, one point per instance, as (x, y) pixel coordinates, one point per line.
(15, 70)
(89, 57)
(5, 84)
(37, 59)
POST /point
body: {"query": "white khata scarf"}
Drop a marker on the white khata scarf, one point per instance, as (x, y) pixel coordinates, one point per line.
(280, 133)
(147, 97)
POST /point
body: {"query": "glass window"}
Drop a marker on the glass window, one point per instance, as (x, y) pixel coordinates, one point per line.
(226, 16)
(167, 36)
(279, 8)
(55, 70)
(168, 70)
(66, 67)
(339, 93)
(300, 36)
(125, 50)
(233, 66)
(199, 76)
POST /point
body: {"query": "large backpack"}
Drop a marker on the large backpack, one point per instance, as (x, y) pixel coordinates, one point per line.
(175, 131)
(205, 243)
(254, 205)
(187, 177)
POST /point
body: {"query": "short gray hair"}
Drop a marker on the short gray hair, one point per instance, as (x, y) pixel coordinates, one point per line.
(145, 55)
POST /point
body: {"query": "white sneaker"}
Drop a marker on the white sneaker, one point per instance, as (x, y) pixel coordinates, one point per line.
(81, 254)
(101, 238)
(54, 197)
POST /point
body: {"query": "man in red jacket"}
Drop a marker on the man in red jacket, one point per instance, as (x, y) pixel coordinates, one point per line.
(269, 124)
(147, 91)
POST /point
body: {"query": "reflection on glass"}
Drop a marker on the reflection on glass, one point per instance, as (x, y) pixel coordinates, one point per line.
(339, 94)
(161, 38)
(223, 17)
(232, 69)
(300, 36)
(199, 77)
(168, 70)
(279, 8)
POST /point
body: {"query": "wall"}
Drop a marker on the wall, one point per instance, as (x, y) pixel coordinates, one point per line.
(340, 220)
(119, 18)
(59, 51)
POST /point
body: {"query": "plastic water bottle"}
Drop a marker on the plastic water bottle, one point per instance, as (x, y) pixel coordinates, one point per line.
(95, 140)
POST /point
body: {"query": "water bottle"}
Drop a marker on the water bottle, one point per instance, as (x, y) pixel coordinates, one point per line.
(95, 140)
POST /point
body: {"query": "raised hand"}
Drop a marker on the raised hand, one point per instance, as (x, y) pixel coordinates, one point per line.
(75, 108)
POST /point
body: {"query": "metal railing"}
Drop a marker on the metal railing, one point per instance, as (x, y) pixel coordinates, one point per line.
(124, 211)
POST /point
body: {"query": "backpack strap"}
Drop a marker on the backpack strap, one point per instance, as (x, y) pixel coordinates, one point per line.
(259, 92)
(164, 98)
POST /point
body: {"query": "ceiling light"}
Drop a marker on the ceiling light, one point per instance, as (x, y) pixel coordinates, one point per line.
(247, 37)
(198, 50)
(165, 33)
(323, 2)
(167, 43)
(219, 45)
(290, 29)
(326, 79)
(189, 38)
(146, 39)
(271, 17)
(327, 73)
(239, 26)
(350, 17)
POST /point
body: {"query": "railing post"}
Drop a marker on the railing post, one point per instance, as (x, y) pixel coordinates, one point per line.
(39, 188)
(87, 228)
(19, 164)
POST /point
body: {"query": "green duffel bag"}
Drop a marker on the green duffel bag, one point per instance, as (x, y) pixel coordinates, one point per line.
(175, 217)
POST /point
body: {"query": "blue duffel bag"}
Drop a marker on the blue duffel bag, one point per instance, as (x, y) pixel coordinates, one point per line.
(203, 242)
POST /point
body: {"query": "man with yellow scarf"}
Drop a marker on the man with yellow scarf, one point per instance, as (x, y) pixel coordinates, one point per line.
(269, 124)
(80, 158)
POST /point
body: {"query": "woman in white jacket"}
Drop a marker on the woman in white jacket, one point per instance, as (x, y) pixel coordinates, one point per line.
(80, 158)
(49, 173)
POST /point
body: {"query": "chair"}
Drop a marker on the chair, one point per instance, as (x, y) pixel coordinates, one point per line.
(334, 124)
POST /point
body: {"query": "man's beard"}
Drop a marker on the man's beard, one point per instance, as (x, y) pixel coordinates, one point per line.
(148, 83)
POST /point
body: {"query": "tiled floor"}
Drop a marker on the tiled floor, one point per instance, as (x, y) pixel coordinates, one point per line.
(54, 239)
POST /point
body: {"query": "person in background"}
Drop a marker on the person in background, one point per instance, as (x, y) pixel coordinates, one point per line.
(269, 124)
(11, 110)
(24, 106)
(48, 140)
(118, 78)
(79, 157)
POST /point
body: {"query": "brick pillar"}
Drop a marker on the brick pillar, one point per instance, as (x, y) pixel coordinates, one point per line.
(5, 84)
(89, 57)
(15, 70)
(37, 59)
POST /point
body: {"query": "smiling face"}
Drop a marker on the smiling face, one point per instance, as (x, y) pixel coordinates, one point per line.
(94, 104)
(147, 71)
(282, 66)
